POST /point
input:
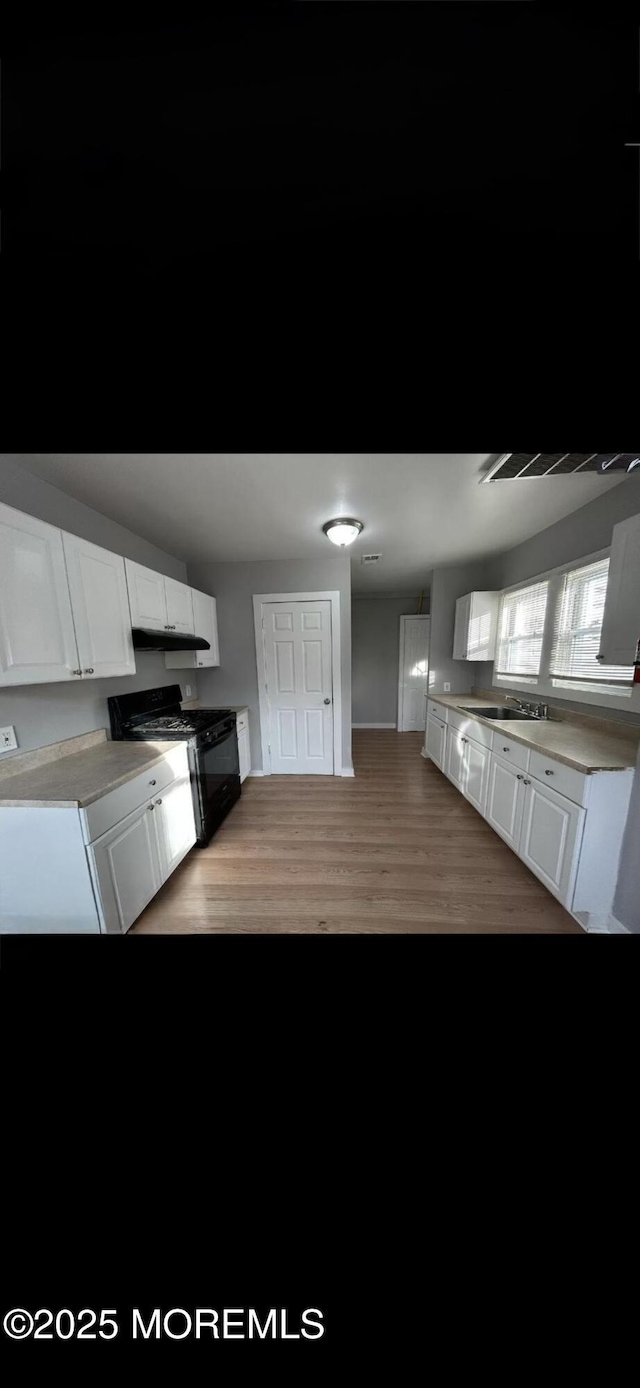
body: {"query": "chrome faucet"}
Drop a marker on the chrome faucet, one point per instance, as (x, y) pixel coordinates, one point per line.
(510, 699)
(533, 710)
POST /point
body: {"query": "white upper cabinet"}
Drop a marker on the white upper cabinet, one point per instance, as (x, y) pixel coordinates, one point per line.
(205, 624)
(37, 637)
(158, 603)
(147, 598)
(100, 606)
(179, 606)
(621, 625)
(474, 636)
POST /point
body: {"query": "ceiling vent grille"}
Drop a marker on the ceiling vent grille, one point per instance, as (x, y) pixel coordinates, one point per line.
(371, 558)
(511, 467)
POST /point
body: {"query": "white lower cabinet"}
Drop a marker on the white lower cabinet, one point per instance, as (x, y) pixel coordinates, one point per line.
(72, 871)
(550, 837)
(468, 767)
(569, 837)
(125, 865)
(436, 740)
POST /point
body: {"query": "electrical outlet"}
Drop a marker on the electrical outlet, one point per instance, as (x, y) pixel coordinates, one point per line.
(187, 690)
(7, 739)
(447, 688)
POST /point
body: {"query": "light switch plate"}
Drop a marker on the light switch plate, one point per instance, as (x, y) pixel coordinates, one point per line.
(7, 739)
(187, 691)
(447, 688)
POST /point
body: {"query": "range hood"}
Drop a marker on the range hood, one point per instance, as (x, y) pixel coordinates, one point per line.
(167, 641)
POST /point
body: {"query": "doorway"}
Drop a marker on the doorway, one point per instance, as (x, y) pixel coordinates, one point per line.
(297, 649)
(413, 674)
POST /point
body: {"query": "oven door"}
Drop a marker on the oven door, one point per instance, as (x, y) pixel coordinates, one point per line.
(217, 770)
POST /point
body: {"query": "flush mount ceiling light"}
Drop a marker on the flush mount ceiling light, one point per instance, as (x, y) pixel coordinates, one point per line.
(343, 531)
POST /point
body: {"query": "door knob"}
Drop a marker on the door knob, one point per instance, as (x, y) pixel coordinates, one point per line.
(327, 701)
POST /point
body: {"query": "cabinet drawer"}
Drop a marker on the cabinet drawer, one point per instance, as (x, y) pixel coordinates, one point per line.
(514, 752)
(437, 710)
(102, 814)
(470, 727)
(557, 776)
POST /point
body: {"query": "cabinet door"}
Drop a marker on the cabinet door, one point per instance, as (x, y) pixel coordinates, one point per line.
(455, 758)
(175, 824)
(37, 637)
(505, 800)
(179, 606)
(146, 597)
(435, 740)
(550, 837)
(461, 629)
(621, 623)
(244, 753)
(100, 607)
(205, 623)
(125, 866)
(477, 761)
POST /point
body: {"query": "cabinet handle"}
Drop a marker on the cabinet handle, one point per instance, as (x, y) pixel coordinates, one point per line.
(152, 807)
(158, 802)
(548, 773)
(76, 672)
(506, 749)
(527, 783)
(200, 662)
(89, 670)
(519, 778)
(152, 783)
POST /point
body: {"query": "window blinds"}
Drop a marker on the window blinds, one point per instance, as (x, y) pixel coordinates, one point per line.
(522, 617)
(577, 627)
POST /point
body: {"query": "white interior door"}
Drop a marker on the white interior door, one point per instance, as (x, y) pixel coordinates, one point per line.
(37, 636)
(297, 640)
(100, 605)
(414, 669)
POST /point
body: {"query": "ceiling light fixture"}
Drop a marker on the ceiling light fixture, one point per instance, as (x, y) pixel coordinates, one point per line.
(343, 530)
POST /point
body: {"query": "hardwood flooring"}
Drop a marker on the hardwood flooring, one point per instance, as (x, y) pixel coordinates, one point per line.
(395, 849)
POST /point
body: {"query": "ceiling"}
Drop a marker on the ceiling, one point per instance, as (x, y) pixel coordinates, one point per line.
(418, 509)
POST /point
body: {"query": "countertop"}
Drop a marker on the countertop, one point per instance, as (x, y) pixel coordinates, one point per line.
(75, 780)
(580, 745)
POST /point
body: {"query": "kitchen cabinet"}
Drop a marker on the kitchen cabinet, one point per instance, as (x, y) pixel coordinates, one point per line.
(158, 603)
(468, 767)
(205, 623)
(620, 635)
(474, 636)
(551, 827)
(37, 635)
(100, 607)
(64, 612)
(565, 825)
(98, 866)
(435, 740)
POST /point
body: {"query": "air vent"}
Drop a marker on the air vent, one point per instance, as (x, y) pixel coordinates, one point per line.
(511, 467)
(371, 558)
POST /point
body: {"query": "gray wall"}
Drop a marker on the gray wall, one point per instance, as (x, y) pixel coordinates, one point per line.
(43, 713)
(448, 584)
(233, 586)
(583, 532)
(375, 635)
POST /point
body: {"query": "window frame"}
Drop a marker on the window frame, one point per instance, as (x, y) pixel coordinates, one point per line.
(542, 685)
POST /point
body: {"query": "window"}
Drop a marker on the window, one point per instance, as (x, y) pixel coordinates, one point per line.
(576, 637)
(520, 632)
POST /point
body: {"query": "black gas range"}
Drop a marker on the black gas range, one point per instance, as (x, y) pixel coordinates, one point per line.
(212, 746)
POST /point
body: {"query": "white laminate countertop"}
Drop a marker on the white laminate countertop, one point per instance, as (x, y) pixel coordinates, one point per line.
(76, 779)
(581, 745)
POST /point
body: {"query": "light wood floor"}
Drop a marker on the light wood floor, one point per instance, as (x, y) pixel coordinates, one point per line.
(395, 849)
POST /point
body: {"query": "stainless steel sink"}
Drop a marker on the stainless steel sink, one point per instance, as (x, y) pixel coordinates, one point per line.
(502, 713)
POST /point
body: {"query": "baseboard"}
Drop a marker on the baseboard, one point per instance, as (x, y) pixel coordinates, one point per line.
(374, 725)
(347, 771)
(255, 773)
(424, 754)
(617, 928)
